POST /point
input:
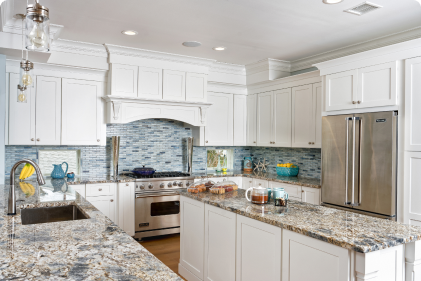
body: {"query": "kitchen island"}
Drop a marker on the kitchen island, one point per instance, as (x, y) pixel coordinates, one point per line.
(225, 237)
(86, 249)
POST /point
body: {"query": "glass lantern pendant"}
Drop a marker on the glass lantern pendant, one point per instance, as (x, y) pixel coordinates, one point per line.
(37, 28)
(21, 94)
(26, 79)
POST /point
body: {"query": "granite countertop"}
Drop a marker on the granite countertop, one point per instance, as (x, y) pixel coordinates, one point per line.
(89, 249)
(309, 182)
(348, 230)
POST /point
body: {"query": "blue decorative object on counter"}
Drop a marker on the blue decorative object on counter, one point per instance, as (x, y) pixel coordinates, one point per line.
(58, 172)
(287, 172)
(248, 164)
(70, 175)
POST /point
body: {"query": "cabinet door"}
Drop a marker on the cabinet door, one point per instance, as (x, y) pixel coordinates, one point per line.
(257, 182)
(79, 188)
(48, 111)
(126, 207)
(174, 85)
(150, 83)
(104, 204)
(246, 183)
(240, 120)
(377, 85)
(282, 118)
(192, 235)
(310, 195)
(237, 180)
(101, 189)
(123, 80)
(264, 119)
(220, 120)
(317, 109)
(261, 260)
(413, 104)
(196, 87)
(251, 120)
(294, 191)
(303, 120)
(21, 114)
(341, 90)
(412, 188)
(220, 228)
(81, 112)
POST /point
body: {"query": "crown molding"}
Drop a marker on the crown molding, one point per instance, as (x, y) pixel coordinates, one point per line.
(77, 47)
(228, 68)
(268, 64)
(227, 88)
(154, 55)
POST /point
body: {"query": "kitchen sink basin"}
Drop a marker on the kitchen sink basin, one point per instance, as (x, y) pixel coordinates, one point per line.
(51, 214)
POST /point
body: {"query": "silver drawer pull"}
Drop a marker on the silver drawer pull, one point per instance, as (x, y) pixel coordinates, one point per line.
(32, 139)
(98, 140)
(100, 189)
(112, 200)
(127, 184)
(37, 139)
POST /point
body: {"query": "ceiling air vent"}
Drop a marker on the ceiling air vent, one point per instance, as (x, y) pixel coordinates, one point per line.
(363, 8)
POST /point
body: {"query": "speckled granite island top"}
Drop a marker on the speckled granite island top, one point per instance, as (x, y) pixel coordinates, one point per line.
(348, 230)
(89, 249)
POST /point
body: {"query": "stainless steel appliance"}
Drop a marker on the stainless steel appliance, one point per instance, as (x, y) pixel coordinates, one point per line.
(115, 142)
(157, 206)
(359, 163)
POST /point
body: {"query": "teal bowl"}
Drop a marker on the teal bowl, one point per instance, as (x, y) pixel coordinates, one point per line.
(287, 172)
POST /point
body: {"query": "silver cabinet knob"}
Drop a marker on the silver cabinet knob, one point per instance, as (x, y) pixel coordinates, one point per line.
(142, 186)
(100, 189)
(112, 200)
(354, 102)
(97, 140)
(37, 139)
(32, 139)
(150, 186)
(359, 102)
(127, 184)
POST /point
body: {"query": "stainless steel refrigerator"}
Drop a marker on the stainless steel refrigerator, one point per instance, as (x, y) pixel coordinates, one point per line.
(359, 162)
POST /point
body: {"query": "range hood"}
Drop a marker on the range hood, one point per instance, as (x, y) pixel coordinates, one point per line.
(128, 109)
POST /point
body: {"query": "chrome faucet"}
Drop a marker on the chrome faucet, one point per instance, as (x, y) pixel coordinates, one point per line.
(11, 208)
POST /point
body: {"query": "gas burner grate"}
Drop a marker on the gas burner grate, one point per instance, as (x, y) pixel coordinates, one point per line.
(158, 175)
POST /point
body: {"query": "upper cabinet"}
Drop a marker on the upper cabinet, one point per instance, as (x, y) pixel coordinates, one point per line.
(251, 119)
(220, 123)
(413, 104)
(341, 90)
(281, 133)
(150, 83)
(174, 85)
(303, 126)
(240, 120)
(264, 119)
(196, 87)
(124, 80)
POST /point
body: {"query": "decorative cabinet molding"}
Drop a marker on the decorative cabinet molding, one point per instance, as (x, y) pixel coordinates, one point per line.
(174, 87)
(149, 83)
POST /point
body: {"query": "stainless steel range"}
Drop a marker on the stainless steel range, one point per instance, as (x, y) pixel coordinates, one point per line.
(157, 206)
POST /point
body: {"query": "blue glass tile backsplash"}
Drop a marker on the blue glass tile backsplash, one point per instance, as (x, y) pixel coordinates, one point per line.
(160, 143)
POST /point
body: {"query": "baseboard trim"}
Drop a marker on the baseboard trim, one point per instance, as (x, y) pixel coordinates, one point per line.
(187, 274)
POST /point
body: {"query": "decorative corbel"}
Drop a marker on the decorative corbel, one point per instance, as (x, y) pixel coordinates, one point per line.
(116, 109)
(203, 111)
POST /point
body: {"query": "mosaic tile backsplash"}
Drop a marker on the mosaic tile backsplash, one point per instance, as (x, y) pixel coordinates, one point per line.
(160, 143)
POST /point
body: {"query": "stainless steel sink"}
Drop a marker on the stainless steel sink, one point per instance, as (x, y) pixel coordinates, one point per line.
(51, 214)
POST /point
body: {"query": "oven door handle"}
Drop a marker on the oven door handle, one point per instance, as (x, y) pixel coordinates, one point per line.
(156, 194)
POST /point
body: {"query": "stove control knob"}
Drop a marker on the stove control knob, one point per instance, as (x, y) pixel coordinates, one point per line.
(142, 186)
(180, 184)
(150, 186)
(188, 183)
(169, 184)
(174, 183)
(162, 185)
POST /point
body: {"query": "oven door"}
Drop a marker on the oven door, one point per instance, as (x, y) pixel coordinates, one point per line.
(157, 210)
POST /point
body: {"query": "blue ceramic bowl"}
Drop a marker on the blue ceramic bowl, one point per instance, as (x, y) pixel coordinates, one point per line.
(287, 172)
(70, 176)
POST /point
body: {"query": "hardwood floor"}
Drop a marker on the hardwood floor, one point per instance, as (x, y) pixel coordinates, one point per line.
(165, 248)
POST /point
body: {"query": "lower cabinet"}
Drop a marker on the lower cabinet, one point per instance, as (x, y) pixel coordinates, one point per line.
(80, 188)
(105, 204)
(299, 193)
(126, 207)
(246, 183)
(257, 182)
(310, 195)
(258, 250)
(412, 212)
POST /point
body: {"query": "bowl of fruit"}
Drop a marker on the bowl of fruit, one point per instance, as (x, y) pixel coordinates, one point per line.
(287, 170)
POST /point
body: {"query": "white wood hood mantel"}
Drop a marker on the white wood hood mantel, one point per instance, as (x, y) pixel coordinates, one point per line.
(129, 109)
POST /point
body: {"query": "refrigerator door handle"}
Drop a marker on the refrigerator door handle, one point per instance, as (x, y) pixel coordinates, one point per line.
(353, 162)
(347, 119)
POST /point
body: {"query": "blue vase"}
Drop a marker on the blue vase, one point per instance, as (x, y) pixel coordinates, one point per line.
(58, 172)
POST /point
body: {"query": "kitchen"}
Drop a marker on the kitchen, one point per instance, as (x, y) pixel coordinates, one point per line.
(99, 105)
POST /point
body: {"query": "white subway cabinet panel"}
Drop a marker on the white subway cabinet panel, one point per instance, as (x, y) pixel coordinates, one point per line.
(264, 119)
(196, 87)
(150, 83)
(106, 205)
(220, 116)
(81, 112)
(303, 120)
(21, 115)
(341, 90)
(310, 195)
(251, 120)
(282, 118)
(317, 109)
(377, 85)
(48, 111)
(413, 104)
(240, 120)
(220, 229)
(258, 250)
(174, 85)
(126, 207)
(123, 80)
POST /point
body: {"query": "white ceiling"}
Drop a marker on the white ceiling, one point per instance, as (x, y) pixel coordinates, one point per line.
(250, 29)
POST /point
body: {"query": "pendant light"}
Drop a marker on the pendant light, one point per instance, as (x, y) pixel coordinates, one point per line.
(37, 27)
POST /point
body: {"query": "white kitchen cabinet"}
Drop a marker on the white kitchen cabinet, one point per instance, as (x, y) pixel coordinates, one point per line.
(303, 120)
(246, 183)
(192, 238)
(413, 104)
(21, 114)
(48, 111)
(323, 261)
(251, 119)
(317, 113)
(341, 90)
(412, 183)
(106, 205)
(294, 191)
(123, 79)
(219, 127)
(264, 119)
(240, 120)
(310, 195)
(377, 85)
(126, 207)
(81, 112)
(263, 183)
(101, 189)
(237, 180)
(196, 87)
(220, 229)
(258, 250)
(79, 188)
(174, 85)
(149, 83)
(281, 134)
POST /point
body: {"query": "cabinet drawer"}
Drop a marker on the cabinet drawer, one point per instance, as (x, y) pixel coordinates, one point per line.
(294, 191)
(101, 189)
(263, 183)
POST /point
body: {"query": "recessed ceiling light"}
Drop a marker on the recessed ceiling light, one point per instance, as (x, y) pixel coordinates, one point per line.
(192, 44)
(219, 48)
(332, 1)
(129, 32)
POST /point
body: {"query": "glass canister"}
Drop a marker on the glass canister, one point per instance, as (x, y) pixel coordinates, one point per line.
(280, 197)
(258, 195)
